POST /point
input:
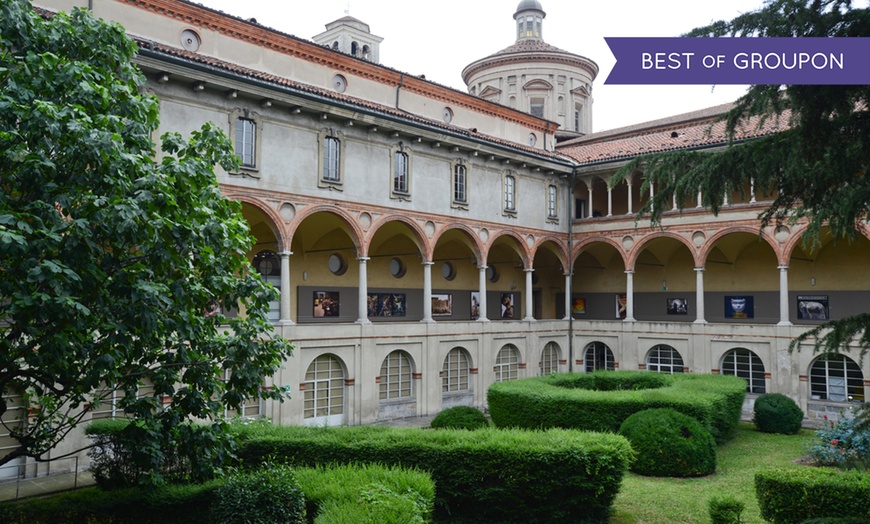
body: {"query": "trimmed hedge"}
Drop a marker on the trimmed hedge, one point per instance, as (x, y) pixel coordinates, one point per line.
(367, 494)
(669, 444)
(488, 475)
(601, 401)
(268, 495)
(795, 495)
(460, 417)
(777, 413)
(353, 493)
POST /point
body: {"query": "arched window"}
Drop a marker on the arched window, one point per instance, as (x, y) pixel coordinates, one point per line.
(454, 373)
(664, 359)
(836, 378)
(507, 363)
(354, 48)
(597, 356)
(549, 359)
(324, 392)
(366, 53)
(745, 364)
(396, 377)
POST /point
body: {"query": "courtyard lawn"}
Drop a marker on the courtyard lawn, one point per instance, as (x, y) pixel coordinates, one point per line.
(648, 500)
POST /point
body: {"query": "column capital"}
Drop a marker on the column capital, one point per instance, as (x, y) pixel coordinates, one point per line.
(629, 271)
(700, 269)
(428, 263)
(528, 270)
(363, 259)
(483, 267)
(783, 267)
(285, 253)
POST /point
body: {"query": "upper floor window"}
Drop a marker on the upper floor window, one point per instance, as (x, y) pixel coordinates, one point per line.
(510, 193)
(460, 184)
(552, 200)
(246, 141)
(401, 168)
(331, 159)
(536, 107)
(577, 118)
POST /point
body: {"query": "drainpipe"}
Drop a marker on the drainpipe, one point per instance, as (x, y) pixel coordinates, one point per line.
(398, 88)
(570, 269)
(90, 5)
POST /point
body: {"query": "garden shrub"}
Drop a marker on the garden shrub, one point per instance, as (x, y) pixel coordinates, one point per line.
(460, 417)
(118, 460)
(726, 510)
(269, 495)
(777, 413)
(844, 444)
(363, 493)
(669, 444)
(488, 475)
(797, 494)
(601, 401)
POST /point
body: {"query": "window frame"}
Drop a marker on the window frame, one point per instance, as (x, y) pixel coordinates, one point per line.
(455, 167)
(853, 386)
(596, 350)
(326, 135)
(456, 371)
(552, 203)
(507, 363)
(746, 369)
(662, 367)
(396, 378)
(550, 357)
(509, 193)
(400, 151)
(237, 116)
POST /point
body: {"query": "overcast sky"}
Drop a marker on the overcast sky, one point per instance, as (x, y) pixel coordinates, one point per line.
(440, 38)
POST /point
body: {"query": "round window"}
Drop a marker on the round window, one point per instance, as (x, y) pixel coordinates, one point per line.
(337, 264)
(190, 40)
(339, 83)
(448, 271)
(397, 268)
(492, 274)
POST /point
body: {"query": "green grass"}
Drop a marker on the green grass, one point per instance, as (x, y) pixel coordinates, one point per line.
(648, 500)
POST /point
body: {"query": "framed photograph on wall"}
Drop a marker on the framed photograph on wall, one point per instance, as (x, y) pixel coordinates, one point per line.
(678, 306)
(475, 305)
(506, 305)
(326, 303)
(390, 305)
(578, 306)
(621, 305)
(442, 305)
(740, 306)
(813, 307)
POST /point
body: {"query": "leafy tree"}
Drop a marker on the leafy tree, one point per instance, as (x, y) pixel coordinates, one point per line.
(113, 258)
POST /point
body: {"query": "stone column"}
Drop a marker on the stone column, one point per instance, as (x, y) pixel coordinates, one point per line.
(630, 207)
(700, 200)
(609, 201)
(363, 292)
(427, 292)
(482, 288)
(783, 296)
(285, 288)
(567, 296)
(699, 296)
(629, 296)
(529, 302)
(589, 213)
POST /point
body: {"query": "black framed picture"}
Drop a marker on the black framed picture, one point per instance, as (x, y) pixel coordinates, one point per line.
(813, 307)
(442, 305)
(386, 304)
(326, 303)
(678, 306)
(741, 306)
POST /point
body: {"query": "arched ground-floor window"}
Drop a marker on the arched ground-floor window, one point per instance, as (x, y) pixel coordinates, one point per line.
(324, 392)
(745, 364)
(662, 358)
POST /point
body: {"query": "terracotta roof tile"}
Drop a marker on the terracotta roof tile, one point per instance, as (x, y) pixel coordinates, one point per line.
(698, 129)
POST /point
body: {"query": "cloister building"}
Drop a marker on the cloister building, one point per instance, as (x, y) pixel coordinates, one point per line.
(428, 242)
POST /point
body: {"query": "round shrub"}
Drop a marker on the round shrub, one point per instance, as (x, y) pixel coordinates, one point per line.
(669, 444)
(460, 417)
(267, 496)
(776, 413)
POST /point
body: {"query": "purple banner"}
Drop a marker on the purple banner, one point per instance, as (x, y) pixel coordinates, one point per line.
(740, 61)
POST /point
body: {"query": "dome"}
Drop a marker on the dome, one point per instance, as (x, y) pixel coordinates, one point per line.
(530, 5)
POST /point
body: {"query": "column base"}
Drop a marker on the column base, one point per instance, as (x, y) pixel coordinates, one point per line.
(629, 320)
(286, 323)
(362, 322)
(482, 319)
(427, 321)
(529, 319)
(784, 323)
(700, 321)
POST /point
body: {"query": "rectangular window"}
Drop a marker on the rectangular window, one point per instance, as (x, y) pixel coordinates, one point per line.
(551, 201)
(400, 173)
(459, 183)
(536, 107)
(331, 159)
(509, 193)
(577, 120)
(246, 136)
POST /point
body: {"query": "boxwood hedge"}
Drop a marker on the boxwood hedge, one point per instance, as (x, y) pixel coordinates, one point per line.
(489, 475)
(798, 494)
(349, 493)
(601, 401)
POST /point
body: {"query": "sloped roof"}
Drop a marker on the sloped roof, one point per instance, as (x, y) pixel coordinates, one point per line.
(694, 130)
